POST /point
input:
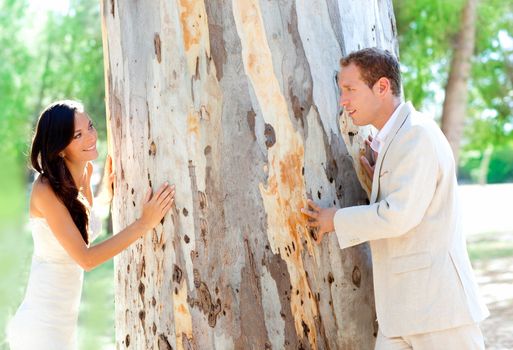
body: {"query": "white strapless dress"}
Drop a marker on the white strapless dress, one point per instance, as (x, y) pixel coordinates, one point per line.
(47, 317)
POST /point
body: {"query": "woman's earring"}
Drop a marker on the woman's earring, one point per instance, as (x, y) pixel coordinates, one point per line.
(61, 155)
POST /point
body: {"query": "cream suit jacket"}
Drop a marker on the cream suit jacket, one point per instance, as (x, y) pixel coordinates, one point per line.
(423, 280)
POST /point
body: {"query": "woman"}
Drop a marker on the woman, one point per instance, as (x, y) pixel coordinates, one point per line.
(63, 224)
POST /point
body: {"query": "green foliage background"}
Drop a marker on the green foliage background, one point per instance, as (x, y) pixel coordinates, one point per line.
(58, 54)
(45, 57)
(427, 31)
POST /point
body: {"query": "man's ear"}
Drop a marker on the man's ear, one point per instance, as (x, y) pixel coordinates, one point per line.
(382, 86)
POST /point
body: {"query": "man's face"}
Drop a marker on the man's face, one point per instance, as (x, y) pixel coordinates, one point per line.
(360, 101)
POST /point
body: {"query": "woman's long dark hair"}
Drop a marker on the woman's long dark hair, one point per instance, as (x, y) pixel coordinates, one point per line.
(54, 131)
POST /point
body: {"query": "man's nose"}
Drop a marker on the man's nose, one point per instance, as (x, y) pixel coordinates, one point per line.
(343, 101)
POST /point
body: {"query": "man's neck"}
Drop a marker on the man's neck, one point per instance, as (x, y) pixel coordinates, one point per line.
(387, 111)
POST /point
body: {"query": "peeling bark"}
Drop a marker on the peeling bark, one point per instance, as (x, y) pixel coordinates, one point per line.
(236, 103)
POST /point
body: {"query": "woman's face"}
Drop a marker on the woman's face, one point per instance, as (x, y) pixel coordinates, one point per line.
(82, 148)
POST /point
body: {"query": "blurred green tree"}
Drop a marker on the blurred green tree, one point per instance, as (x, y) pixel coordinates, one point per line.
(427, 31)
(46, 55)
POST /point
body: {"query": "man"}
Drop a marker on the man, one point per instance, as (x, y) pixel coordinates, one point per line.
(426, 295)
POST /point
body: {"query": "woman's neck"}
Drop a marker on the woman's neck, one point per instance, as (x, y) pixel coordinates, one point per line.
(77, 172)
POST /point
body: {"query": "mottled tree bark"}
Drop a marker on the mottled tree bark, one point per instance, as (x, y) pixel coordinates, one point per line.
(455, 102)
(235, 102)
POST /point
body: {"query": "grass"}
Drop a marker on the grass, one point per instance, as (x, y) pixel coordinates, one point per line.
(488, 246)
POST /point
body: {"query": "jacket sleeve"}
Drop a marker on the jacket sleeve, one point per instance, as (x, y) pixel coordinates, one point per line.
(413, 170)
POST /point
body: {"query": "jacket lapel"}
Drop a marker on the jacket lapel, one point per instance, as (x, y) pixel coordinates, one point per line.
(405, 111)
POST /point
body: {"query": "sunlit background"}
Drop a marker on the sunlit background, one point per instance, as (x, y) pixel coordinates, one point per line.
(51, 49)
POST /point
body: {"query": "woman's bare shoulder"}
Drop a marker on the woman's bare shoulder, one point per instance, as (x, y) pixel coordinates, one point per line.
(42, 191)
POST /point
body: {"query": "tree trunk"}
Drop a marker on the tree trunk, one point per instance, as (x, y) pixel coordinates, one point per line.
(455, 102)
(236, 103)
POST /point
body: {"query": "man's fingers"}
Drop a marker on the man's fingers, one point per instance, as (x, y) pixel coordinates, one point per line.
(310, 213)
(313, 223)
(312, 205)
(366, 166)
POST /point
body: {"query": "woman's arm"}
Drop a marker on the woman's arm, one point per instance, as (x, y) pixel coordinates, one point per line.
(68, 235)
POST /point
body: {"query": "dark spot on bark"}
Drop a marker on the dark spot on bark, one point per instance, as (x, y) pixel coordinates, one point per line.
(163, 343)
(306, 329)
(127, 340)
(312, 231)
(141, 268)
(127, 268)
(319, 194)
(154, 328)
(357, 276)
(133, 191)
(202, 200)
(133, 203)
(185, 212)
(250, 117)
(187, 343)
(270, 136)
(207, 150)
(112, 8)
(196, 73)
(296, 105)
(153, 301)
(142, 316)
(186, 239)
(153, 149)
(176, 291)
(177, 274)
(204, 300)
(331, 279)
(141, 290)
(303, 171)
(293, 246)
(197, 280)
(156, 43)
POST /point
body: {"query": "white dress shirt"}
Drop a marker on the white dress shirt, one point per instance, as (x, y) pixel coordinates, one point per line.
(377, 141)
